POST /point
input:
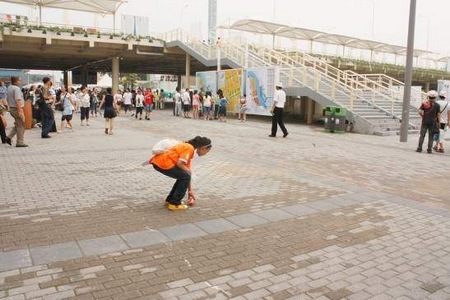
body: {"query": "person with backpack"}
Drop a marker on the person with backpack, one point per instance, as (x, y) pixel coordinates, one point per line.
(431, 115)
(175, 162)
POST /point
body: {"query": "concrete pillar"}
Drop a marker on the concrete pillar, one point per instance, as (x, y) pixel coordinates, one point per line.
(179, 81)
(309, 112)
(188, 70)
(427, 86)
(84, 75)
(115, 74)
(67, 82)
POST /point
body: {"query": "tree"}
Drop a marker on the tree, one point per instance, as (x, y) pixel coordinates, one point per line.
(129, 80)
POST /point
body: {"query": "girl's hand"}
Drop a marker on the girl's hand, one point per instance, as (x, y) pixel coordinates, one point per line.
(191, 199)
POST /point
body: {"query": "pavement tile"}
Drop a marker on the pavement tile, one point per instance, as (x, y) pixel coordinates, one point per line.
(54, 253)
(182, 232)
(144, 238)
(300, 210)
(15, 259)
(102, 245)
(274, 215)
(216, 225)
(247, 220)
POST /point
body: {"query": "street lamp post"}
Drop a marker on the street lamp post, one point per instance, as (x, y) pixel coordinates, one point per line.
(186, 5)
(428, 31)
(408, 73)
(373, 18)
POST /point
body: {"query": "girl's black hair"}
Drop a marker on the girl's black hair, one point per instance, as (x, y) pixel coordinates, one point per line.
(199, 141)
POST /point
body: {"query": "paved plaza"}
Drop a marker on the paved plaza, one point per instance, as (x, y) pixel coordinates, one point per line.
(311, 216)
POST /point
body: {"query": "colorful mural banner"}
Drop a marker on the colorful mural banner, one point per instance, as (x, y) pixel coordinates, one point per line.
(258, 84)
(206, 81)
(231, 84)
(260, 89)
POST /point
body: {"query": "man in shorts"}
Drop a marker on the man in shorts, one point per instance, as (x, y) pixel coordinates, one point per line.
(445, 121)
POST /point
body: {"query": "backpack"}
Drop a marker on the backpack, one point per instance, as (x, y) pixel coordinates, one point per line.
(164, 145)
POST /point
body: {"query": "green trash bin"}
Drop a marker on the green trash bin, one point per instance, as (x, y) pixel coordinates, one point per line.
(335, 119)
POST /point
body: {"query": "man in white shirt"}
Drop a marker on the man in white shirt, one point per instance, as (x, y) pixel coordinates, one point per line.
(186, 103)
(177, 107)
(277, 111)
(15, 100)
(444, 122)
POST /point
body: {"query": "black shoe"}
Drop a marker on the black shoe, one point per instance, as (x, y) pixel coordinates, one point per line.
(429, 151)
(46, 137)
(270, 135)
(418, 150)
(21, 146)
(8, 141)
(286, 134)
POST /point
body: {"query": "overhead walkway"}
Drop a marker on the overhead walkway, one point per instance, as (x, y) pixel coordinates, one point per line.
(373, 106)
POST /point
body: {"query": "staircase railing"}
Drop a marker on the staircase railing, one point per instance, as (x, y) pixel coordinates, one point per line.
(388, 83)
(300, 69)
(354, 80)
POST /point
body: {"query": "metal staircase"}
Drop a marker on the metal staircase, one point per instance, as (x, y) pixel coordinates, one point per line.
(372, 104)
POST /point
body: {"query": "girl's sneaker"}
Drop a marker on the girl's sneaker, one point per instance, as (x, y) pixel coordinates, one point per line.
(177, 207)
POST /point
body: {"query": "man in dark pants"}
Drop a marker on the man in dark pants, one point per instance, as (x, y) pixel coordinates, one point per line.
(277, 111)
(431, 115)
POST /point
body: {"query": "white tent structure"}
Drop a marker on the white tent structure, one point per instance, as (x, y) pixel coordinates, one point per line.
(105, 81)
(282, 30)
(94, 6)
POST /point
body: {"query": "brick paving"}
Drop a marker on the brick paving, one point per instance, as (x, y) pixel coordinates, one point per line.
(312, 216)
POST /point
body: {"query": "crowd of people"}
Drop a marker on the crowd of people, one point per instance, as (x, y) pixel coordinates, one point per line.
(206, 106)
(45, 99)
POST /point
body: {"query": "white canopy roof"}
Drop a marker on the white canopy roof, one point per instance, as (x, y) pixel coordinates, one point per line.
(275, 29)
(105, 81)
(94, 6)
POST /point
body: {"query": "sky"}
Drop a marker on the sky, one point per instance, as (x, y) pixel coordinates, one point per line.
(381, 20)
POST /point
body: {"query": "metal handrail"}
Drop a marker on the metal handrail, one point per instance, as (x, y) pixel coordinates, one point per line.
(387, 82)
